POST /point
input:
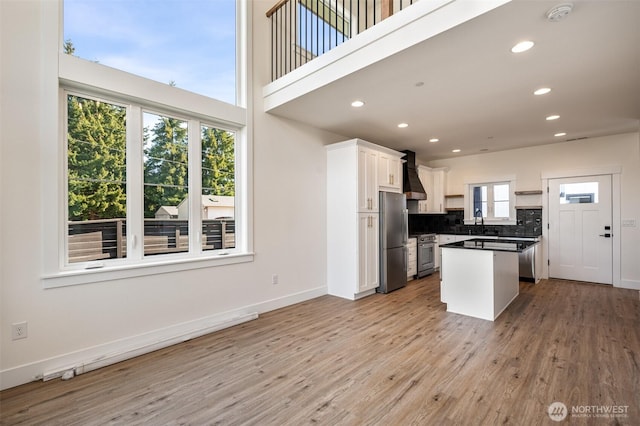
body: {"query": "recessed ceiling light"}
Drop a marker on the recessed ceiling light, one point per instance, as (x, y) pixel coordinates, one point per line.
(456, 150)
(403, 125)
(553, 117)
(557, 135)
(542, 91)
(523, 46)
(432, 140)
(357, 104)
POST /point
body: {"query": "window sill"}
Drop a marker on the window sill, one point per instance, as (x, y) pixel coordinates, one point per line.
(152, 266)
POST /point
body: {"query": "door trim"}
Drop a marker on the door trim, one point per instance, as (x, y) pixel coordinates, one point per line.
(615, 172)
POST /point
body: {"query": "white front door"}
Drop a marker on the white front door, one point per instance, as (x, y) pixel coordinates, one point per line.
(580, 229)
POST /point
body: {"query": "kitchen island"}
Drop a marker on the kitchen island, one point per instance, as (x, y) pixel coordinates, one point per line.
(479, 277)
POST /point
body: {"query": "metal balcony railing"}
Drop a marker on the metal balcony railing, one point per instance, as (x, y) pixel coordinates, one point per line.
(106, 239)
(302, 30)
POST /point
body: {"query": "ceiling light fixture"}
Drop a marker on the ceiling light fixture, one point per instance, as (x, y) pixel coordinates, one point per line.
(357, 104)
(542, 91)
(433, 140)
(557, 135)
(523, 46)
(456, 150)
(552, 117)
(403, 125)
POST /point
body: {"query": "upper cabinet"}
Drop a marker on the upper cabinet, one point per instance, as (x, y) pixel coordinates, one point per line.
(365, 169)
(367, 179)
(434, 182)
(390, 171)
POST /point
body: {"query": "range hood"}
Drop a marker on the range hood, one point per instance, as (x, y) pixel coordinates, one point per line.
(412, 187)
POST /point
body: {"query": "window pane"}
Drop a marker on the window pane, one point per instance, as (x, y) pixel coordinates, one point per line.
(189, 43)
(480, 201)
(501, 192)
(501, 200)
(501, 209)
(321, 27)
(583, 192)
(166, 180)
(218, 189)
(96, 175)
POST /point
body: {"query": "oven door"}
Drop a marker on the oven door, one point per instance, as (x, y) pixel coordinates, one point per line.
(426, 259)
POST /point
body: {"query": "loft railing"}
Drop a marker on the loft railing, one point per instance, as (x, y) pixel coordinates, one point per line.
(302, 30)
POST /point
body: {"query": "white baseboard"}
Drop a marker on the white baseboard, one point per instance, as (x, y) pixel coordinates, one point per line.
(88, 359)
(630, 284)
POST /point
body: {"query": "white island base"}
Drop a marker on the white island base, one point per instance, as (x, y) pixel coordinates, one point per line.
(478, 283)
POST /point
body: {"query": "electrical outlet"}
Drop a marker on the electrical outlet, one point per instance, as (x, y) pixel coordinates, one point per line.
(19, 330)
(274, 279)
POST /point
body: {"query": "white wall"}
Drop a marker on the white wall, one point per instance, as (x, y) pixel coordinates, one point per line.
(529, 165)
(71, 324)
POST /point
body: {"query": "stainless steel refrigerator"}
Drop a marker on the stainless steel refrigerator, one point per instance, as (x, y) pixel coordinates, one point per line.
(393, 241)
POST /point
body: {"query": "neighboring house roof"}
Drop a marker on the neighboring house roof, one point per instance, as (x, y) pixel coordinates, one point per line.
(170, 210)
(217, 200)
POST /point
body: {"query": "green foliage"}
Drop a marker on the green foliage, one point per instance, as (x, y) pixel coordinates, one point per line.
(69, 48)
(96, 159)
(218, 162)
(166, 170)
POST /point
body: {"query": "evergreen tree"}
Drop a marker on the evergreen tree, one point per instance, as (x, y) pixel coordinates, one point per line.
(69, 48)
(96, 159)
(218, 162)
(166, 164)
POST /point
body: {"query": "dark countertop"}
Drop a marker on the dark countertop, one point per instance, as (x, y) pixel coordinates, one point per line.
(515, 246)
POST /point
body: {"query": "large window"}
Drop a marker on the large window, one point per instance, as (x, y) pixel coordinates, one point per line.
(151, 177)
(97, 143)
(187, 43)
(490, 201)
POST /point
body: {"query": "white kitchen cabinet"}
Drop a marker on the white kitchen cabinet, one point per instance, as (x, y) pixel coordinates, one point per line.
(424, 174)
(353, 264)
(433, 181)
(368, 258)
(412, 258)
(367, 179)
(390, 172)
(437, 204)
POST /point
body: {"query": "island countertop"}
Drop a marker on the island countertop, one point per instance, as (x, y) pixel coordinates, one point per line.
(513, 246)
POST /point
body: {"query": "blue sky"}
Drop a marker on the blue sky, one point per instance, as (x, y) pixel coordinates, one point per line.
(190, 42)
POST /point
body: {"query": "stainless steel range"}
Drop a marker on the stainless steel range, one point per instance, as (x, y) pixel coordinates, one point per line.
(426, 254)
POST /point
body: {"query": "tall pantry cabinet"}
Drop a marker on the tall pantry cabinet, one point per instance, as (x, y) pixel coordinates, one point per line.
(352, 217)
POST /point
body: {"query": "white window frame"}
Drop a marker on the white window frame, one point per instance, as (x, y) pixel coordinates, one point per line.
(469, 218)
(62, 73)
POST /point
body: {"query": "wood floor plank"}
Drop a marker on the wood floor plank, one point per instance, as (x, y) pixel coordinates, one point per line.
(398, 358)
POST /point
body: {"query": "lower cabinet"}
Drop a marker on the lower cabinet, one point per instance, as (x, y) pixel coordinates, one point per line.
(368, 259)
(412, 258)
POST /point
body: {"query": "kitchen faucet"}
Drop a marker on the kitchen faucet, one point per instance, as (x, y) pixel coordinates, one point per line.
(475, 219)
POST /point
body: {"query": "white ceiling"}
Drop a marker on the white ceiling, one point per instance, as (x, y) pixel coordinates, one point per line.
(478, 96)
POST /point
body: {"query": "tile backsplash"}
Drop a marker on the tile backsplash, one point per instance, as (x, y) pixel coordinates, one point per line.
(528, 224)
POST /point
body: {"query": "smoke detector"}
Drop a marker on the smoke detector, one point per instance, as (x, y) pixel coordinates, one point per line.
(559, 12)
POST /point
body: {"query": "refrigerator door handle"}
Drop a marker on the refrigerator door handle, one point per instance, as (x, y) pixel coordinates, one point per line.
(405, 226)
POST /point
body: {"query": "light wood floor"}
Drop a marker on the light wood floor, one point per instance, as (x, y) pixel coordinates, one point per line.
(395, 359)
